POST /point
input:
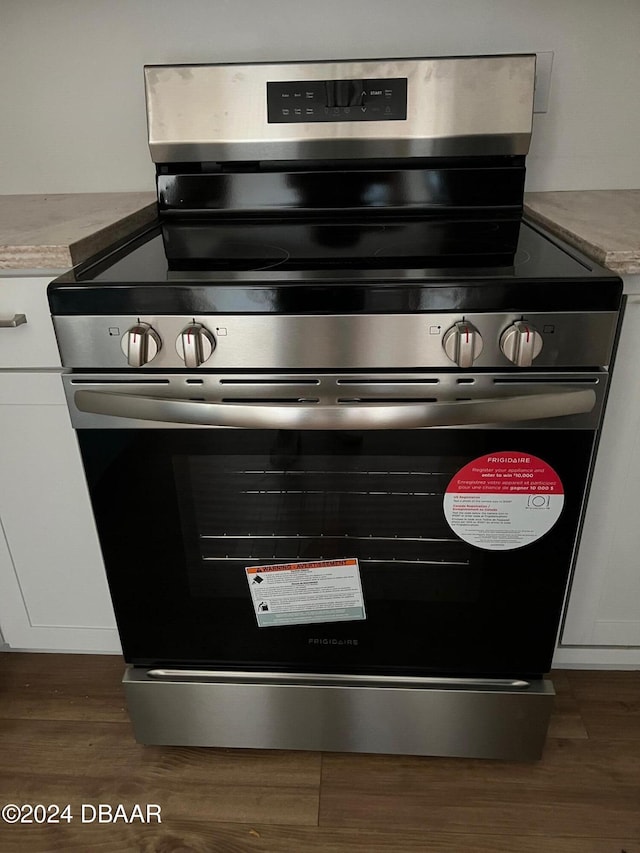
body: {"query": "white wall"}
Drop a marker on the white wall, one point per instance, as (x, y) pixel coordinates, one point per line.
(71, 95)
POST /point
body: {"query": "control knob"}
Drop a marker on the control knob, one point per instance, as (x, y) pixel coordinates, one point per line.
(141, 344)
(521, 343)
(195, 344)
(462, 343)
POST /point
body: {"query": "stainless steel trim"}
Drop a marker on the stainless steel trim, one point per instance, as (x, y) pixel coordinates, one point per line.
(16, 320)
(245, 677)
(360, 416)
(396, 718)
(346, 342)
(455, 105)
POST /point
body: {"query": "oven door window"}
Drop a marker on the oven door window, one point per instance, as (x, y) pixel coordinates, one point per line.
(182, 513)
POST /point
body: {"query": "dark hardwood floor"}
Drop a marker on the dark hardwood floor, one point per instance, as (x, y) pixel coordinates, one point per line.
(65, 738)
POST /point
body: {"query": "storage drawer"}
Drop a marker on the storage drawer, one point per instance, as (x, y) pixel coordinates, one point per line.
(31, 344)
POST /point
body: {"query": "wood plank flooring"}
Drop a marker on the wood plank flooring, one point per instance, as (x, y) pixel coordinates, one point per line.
(65, 738)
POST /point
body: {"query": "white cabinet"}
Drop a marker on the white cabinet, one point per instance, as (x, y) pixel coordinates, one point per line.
(32, 344)
(53, 590)
(602, 619)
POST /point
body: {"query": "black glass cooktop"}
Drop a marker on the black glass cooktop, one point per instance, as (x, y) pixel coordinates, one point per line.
(298, 267)
(269, 251)
(299, 244)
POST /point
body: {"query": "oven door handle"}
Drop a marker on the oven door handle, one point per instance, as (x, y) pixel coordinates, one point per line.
(356, 416)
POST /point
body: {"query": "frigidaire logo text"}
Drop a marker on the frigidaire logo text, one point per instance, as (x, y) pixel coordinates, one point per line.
(333, 641)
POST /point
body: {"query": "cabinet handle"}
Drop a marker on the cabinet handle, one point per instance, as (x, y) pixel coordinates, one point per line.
(16, 320)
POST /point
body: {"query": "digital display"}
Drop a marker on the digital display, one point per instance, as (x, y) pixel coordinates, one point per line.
(337, 100)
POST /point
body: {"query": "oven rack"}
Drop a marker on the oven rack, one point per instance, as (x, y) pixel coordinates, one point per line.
(349, 545)
(342, 537)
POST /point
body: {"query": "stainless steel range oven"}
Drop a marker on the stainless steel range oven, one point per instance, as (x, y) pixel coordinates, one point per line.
(338, 411)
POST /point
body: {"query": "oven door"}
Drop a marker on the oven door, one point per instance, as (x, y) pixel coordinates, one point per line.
(194, 481)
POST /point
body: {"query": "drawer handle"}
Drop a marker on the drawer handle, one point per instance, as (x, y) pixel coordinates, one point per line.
(361, 417)
(16, 320)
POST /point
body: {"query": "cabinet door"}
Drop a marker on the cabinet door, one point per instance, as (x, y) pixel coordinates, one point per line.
(604, 602)
(53, 590)
(32, 343)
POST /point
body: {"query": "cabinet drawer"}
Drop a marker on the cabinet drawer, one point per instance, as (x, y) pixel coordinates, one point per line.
(31, 388)
(32, 344)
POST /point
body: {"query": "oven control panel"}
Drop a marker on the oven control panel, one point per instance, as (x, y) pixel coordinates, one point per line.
(337, 342)
(337, 100)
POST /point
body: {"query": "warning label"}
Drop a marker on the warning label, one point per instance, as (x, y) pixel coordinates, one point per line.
(503, 500)
(299, 593)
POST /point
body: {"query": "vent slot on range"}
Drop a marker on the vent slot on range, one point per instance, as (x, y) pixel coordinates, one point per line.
(272, 400)
(386, 390)
(544, 380)
(283, 391)
(426, 381)
(398, 400)
(269, 382)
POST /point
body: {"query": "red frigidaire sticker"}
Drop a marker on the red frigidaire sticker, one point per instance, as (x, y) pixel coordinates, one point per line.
(504, 500)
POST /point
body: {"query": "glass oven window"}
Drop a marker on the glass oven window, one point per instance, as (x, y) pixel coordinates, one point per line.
(182, 513)
(285, 508)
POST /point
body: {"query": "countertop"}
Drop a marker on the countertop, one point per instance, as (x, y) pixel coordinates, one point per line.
(61, 230)
(58, 231)
(604, 224)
